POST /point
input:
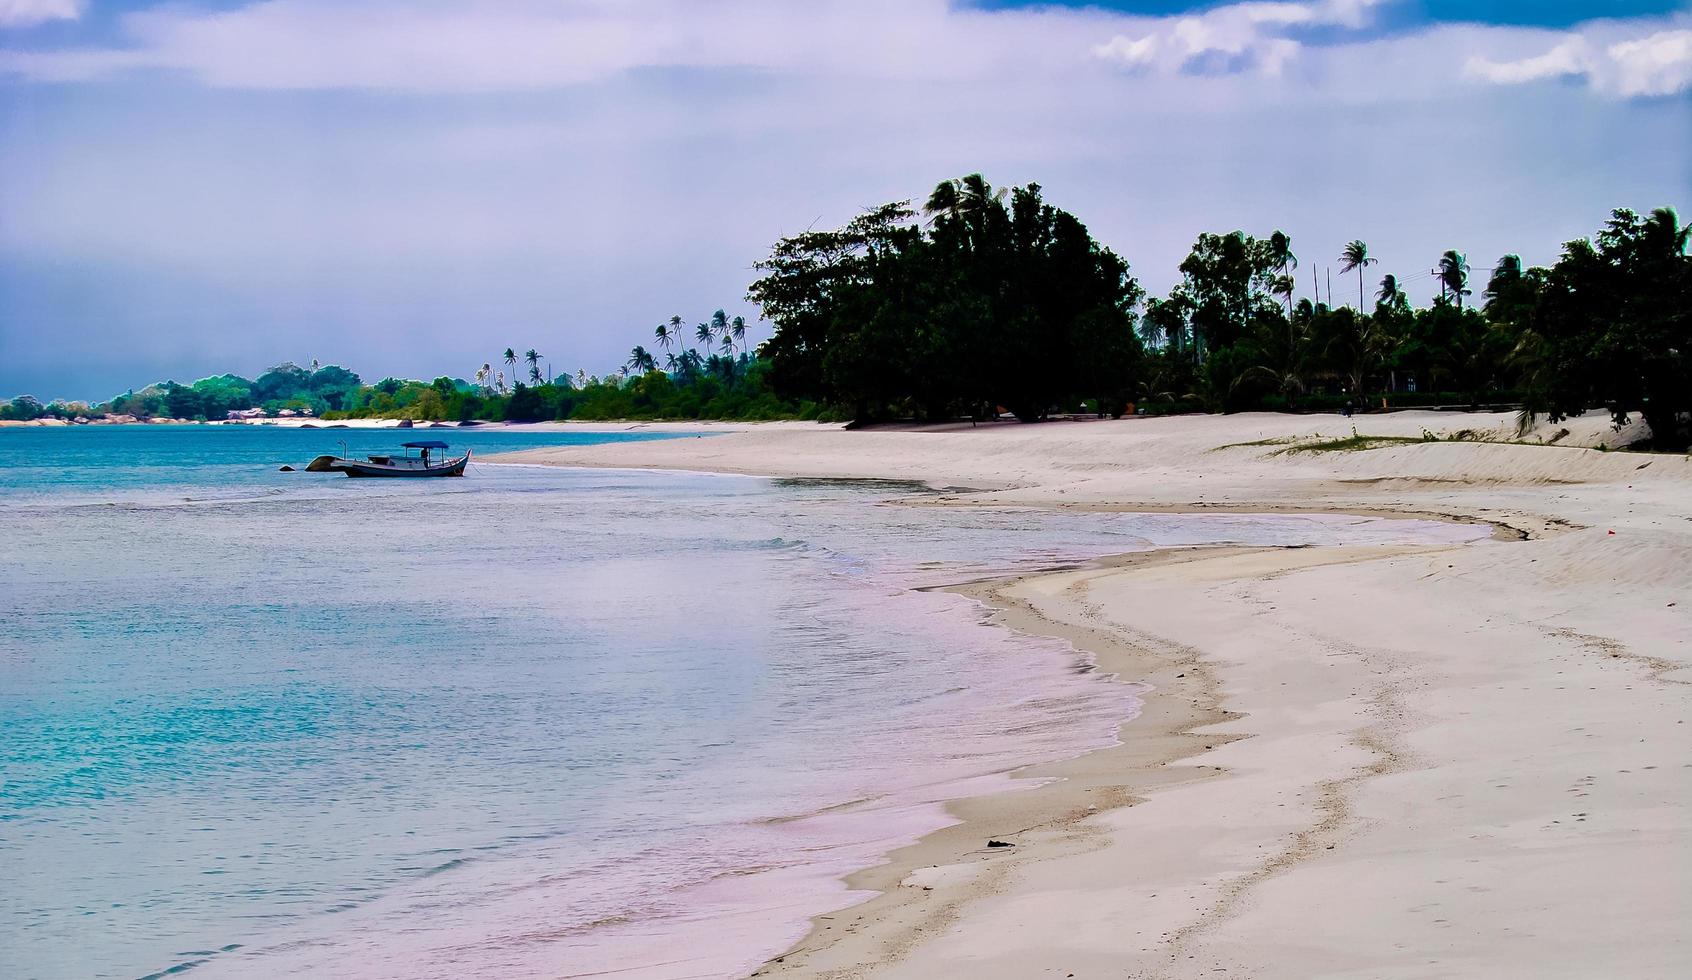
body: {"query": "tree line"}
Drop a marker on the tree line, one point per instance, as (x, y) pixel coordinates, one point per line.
(991, 300)
(716, 376)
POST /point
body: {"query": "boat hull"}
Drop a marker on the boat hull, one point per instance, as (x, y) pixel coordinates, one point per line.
(355, 468)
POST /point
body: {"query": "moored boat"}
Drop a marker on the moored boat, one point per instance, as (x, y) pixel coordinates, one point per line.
(406, 464)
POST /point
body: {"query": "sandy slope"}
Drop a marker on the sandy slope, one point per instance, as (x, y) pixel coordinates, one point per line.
(1408, 762)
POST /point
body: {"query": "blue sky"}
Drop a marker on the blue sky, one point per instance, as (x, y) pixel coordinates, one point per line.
(412, 187)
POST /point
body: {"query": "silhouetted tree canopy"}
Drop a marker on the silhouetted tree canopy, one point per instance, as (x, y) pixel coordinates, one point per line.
(986, 304)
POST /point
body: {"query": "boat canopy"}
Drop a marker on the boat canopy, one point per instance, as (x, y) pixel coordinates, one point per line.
(426, 444)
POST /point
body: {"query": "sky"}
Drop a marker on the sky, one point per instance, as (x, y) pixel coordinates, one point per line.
(408, 187)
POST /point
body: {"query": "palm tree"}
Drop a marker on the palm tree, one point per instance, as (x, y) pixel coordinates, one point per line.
(1281, 254)
(534, 366)
(1453, 275)
(737, 328)
(1505, 274)
(511, 361)
(1391, 294)
(1356, 256)
(640, 359)
(663, 336)
(702, 334)
(1150, 333)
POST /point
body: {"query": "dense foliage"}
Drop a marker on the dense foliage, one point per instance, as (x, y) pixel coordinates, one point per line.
(1606, 327)
(987, 305)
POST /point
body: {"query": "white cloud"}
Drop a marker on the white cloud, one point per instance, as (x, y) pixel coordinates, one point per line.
(437, 46)
(28, 13)
(1660, 64)
(1236, 37)
(1655, 64)
(1568, 58)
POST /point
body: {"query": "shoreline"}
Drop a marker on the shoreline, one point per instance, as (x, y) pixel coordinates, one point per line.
(1161, 746)
(1305, 793)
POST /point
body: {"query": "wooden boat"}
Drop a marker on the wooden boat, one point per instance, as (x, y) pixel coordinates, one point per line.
(408, 464)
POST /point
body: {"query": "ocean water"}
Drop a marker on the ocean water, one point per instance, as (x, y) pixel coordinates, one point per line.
(534, 722)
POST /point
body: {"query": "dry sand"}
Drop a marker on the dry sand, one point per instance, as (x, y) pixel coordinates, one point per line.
(1464, 761)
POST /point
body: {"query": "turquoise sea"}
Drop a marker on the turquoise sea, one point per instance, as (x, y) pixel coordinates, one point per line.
(534, 722)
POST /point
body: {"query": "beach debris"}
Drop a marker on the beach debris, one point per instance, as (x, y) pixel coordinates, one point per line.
(1000, 843)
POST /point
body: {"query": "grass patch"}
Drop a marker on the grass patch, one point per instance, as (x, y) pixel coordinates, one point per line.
(1354, 443)
(1258, 443)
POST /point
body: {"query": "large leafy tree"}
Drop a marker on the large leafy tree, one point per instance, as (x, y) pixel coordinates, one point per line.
(996, 299)
(1226, 281)
(1611, 326)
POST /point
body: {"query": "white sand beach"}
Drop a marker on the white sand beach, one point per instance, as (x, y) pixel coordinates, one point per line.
(1435, 761)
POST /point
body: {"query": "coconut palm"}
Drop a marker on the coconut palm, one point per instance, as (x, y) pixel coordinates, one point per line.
(534, 365)
(1391, 294)
(664, 336)
(640, 359)
(1453, 272)
(1356, 256)
(1282, 257)
(703, 335)
(511, 361)
(737, 330)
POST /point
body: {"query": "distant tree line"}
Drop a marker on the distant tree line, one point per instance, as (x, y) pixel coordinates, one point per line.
(987, 305)
(715, 375)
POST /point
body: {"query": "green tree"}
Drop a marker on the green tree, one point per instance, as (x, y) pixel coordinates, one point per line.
(1613, 328)
(1356, 256)
(1281, 255)
(1453, 272)
(641, 360)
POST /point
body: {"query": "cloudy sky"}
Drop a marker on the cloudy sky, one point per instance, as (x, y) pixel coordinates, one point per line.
(411, 186)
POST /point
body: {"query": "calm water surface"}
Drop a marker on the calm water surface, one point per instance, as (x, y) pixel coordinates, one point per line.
(533, 722)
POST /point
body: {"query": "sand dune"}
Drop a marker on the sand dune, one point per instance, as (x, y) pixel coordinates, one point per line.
(1357, 762)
